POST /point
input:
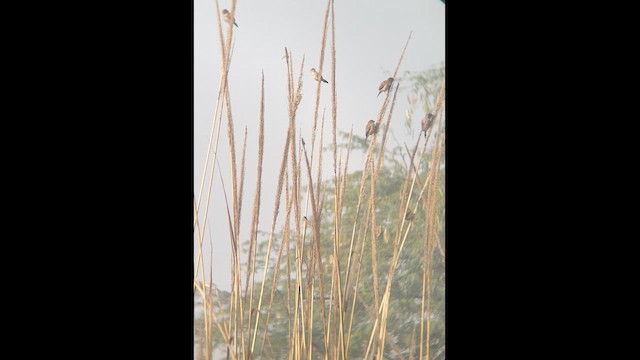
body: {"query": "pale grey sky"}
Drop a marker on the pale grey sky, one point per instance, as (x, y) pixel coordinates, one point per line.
(370, 36)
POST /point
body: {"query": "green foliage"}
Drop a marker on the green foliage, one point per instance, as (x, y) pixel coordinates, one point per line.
(405, 302)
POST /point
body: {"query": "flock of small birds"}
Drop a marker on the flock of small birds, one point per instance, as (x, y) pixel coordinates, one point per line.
(372, 127)
(385, 86)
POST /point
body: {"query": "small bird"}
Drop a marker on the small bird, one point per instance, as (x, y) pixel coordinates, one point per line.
(316, 76)
(427, 121)
(307, 221)
(409, 215)
(371, 129)
(226, 15)
(385, 85)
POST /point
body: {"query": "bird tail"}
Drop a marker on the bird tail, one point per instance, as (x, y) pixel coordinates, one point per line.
(234, 23)
(323, 80)
(379, 93)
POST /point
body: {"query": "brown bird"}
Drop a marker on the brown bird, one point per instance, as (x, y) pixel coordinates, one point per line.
(316, 76)
(226, 15)
(385, 85)
(307, 221)
(427, 121)
(371, 129)
(409, 215)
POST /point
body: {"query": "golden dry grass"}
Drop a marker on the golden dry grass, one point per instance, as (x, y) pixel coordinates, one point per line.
(248, 313)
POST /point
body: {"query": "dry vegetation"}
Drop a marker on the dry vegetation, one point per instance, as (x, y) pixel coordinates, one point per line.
(243, 319)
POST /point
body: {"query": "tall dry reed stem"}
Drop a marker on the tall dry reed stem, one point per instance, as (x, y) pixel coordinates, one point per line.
(251, 256)
(293, 103)
(429, 205)
(223, 88)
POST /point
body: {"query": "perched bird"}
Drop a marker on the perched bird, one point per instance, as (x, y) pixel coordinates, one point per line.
(316, 76)
(307, 221)
(409, 215)
(226, 15)
(385, 85)
(427, 121)
(371, 129)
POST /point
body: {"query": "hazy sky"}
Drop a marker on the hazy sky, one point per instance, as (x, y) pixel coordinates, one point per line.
(370, 36)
